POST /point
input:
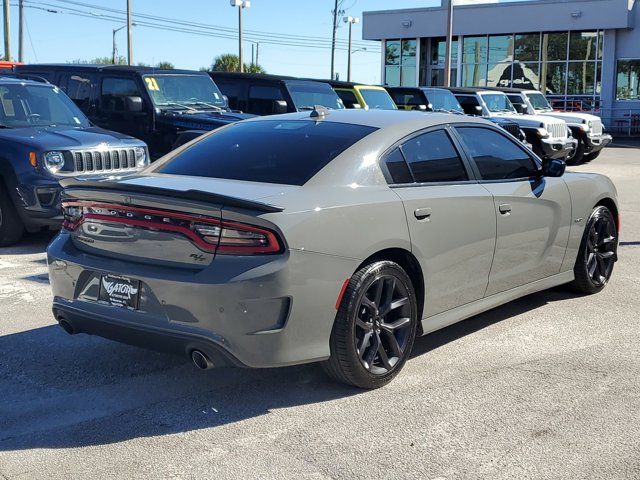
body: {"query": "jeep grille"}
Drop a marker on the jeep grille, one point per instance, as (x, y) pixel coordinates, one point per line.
(92, 161)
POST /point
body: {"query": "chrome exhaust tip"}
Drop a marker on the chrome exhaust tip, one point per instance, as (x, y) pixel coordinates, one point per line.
(200, 360)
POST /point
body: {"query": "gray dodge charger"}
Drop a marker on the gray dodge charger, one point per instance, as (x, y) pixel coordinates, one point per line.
(325, 236)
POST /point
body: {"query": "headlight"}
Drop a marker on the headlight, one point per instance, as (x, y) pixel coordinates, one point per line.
(141, 157)
(542, 132)
(54, 161)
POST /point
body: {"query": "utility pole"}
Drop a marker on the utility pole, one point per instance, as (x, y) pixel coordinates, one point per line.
(447, 59)
(350, 21)
(333, 38)
(257, 52)
(129, 35)
(241, 4)
(7, 32)
(21, 31)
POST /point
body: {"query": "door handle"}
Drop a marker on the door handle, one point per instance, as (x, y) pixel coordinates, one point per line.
(422, 213)
(505, 209)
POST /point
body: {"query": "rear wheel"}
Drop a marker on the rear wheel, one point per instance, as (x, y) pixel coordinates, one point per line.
(375, 327)
(576, 156)
(597, 254)
(11, 227)
(591, 156)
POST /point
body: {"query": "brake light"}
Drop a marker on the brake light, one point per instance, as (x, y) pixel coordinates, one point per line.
(209, 234)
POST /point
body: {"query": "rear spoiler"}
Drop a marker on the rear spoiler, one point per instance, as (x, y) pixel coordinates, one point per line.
(71, 184)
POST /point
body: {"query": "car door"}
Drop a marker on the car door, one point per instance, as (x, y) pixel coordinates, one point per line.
(533, 212)
(79, 87)
(451, 218)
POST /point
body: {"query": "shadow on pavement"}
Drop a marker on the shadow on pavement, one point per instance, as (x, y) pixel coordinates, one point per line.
(61, 391)
(31, 243)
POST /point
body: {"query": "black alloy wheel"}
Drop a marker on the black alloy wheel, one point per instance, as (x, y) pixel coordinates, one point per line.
(375, 326)
(598, 252)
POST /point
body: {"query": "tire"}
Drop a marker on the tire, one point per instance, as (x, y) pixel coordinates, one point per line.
(11, 226)
(370, 347)
(576, 157)
(597, 254)
(591, 156)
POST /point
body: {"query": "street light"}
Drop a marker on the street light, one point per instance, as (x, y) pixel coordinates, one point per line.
(241, 4)
(115, 47)
(350, 21)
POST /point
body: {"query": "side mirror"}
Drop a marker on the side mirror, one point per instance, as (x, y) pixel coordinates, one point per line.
(226, 99)
(279, 106)
(553, 167)
(133, 104)
(520, 107)
(478, 110)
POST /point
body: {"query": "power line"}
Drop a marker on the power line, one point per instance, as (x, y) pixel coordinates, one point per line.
(223, 32)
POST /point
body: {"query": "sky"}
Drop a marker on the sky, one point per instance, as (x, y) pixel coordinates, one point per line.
(55, 33)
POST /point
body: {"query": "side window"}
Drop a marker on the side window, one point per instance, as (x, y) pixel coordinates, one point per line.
(231, 90)
(433, 158)
(348, 98)
(262, 99)
(469, 104)
(397, 167)
(78, 88)
(497, 157)
(113, 93)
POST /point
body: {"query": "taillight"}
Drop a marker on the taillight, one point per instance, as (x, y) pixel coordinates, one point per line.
(209, 234)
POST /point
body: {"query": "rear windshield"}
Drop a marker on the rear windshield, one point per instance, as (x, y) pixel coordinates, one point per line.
(307, 94)
(377, 99)
(287, 152)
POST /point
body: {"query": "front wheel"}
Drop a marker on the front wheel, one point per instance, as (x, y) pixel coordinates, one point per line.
(597, 254)
(591, 156)
(375, 327)
(11, 227)
(576, 156)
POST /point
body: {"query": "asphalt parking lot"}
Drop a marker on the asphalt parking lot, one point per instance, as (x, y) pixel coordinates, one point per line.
(545, 387)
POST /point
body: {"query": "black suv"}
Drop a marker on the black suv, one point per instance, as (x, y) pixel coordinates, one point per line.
(165, 108)
(272, 94)
(44, 137)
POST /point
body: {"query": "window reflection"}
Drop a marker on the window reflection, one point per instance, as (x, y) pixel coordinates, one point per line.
(500, 48)
(526, 75)
(582, 45)
(628, 80)
(580, 78)
(499, 75)
(527, 47)
(553, 76)
(554, 46)
(474, 50)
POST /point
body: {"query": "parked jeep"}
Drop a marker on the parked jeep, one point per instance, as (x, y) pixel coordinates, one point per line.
(165, 108)
(262, 94)
(549, 137)
(359, 95)
(436, 99)
(44, 137)
(585, 128)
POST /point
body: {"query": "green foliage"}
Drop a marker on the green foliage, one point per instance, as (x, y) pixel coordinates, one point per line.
(165, 65)
(230, 63)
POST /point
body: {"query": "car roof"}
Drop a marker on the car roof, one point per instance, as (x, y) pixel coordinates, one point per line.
(470, 90)
(262, 76)
(17, 80)
(411, 120)
(110, 68)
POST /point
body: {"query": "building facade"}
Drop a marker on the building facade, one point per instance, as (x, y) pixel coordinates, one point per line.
(583, 54)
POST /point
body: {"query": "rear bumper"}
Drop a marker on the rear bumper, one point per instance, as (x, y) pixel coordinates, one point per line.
(595, 143)
(251, 311)
(557, 148)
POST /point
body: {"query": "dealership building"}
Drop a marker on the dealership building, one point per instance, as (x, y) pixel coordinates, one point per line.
(583, 54)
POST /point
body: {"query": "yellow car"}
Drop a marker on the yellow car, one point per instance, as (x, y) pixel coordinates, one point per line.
(357, 95)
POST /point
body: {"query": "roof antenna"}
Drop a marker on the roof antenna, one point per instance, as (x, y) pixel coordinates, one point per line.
(319, 112)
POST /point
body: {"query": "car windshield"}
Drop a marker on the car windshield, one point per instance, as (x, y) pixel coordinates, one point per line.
(25, 105)
(269, 151)
(538, 101)
(498, 103)
(443, 100)
(197, 92)
(307, 94)
(377, 99)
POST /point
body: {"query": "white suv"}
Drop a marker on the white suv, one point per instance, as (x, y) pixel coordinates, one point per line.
(586, 128)
(549, 137)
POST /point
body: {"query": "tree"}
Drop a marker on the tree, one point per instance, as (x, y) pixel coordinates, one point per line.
(230, 63)
(165, 65)
(101, 61)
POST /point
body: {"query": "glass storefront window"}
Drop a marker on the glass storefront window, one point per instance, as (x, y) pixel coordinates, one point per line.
(527, 47)
(408, 77)
(392, 75)
(474, 75)
(526, 75)
(499, 74)
(580, 78)
(554, 46)
(500, 48)
(437, 77)
(553, 78)
(600, 43)
(474, 50)
(392, 52)
(628, 79)
(582, 45)
(439, 50)
(408, 53)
